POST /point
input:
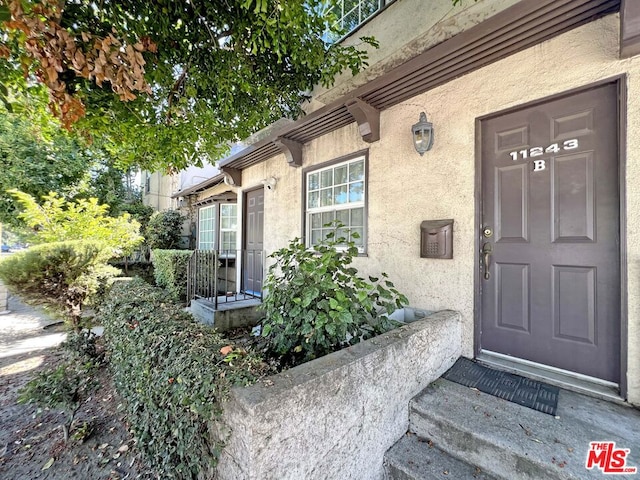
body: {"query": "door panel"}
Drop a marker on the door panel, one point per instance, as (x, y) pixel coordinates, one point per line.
(550, 196)
(253, 243)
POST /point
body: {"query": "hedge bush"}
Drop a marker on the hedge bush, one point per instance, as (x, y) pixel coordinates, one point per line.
(170, 271)
(62, 275)
(173, 374)
(164, 230)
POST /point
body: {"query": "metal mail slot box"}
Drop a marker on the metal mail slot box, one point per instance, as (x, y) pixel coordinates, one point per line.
(436, 239)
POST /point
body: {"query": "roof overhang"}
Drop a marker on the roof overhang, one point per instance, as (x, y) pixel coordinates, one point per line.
(516, 28)
(194, 189)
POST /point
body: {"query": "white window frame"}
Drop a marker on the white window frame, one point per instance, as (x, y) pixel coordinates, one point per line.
(208, 225)
(313, 198)
(233, 229)
(357, 11)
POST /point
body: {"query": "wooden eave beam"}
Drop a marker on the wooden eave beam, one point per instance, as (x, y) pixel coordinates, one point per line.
(234, 174)
(523, 25)
(629, 28)
(367, 117)
(291, 149)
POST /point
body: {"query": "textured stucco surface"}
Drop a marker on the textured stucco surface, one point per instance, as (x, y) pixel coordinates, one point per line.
(336, 416)
(405, 29)
(161, 187)
(405, 189)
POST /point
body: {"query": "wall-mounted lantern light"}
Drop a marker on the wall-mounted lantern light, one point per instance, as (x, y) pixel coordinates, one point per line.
(422, 134)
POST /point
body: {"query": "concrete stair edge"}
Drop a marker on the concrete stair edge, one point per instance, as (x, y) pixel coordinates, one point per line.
(415, 458)
(498, 436)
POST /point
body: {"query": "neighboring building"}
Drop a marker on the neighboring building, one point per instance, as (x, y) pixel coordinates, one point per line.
(156, 190)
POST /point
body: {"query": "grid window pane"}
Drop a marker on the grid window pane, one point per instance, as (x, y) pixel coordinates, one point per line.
(326, 178)
(314, 181)
(340, 195)
(357, 217)
(337, 192)
(340, 175)
(326, 197)
(206, 228)
(228, 226)
(314, 200)
(356, 192)
(343, 216)
(356, 171)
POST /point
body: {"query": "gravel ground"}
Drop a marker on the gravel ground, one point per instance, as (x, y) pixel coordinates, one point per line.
(31, 442)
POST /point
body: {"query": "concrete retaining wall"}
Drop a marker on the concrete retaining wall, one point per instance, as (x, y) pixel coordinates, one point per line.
(335, 417)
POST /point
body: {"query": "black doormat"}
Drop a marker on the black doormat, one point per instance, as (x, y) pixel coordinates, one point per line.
(514, 388)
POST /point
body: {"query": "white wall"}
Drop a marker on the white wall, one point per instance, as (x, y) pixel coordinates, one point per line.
(405, 189)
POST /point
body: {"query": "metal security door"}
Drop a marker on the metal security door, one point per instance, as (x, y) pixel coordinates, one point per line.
(550, 274)
(253, 244)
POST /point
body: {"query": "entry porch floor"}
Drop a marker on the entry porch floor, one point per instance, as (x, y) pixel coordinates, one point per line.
(229, 313)
(460, 432)
(230, 303)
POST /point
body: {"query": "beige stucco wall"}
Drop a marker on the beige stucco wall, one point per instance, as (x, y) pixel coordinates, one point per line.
(161, 187)
(405, 189)
(405, 29)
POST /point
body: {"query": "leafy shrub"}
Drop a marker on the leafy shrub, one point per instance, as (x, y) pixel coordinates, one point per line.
(66, 385)
(57, 220)
(62, 275)
(83, 347)
(173, 375)
(316, 303)
(170, 271)
(163, 230)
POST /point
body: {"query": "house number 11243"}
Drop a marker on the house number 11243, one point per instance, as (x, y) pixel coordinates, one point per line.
(539, 151)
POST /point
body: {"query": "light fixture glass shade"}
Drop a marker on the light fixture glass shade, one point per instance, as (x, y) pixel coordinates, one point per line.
(422, 134)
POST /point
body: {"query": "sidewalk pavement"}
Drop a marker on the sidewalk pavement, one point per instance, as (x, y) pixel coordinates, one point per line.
(22, 329)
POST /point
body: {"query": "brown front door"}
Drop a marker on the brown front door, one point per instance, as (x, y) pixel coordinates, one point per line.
(253, 242)
(550, 233)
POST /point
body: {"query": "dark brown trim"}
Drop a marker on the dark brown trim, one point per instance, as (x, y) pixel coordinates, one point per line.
(477, 280)
(523, 25)
(345, 158)
(510, 31)
(620, 81)
(629, 28)
(624, 287)
(234, 174)
(367, 118)
(291, 149)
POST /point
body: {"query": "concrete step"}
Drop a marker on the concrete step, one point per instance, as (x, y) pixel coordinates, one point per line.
(415, 458)
(229, 314)
(511, 442)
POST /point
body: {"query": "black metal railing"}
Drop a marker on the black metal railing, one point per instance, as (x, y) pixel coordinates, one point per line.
(213, 275)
